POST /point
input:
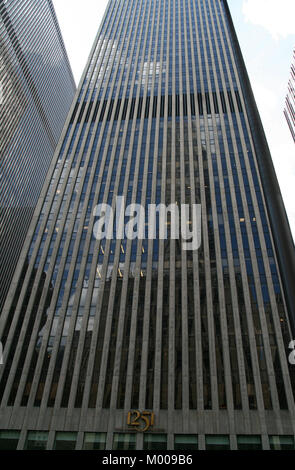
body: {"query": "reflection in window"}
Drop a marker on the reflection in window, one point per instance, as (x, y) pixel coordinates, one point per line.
(65, 441)
(281, 442)
(217, 443)
(155, 442)
(249, 443)
(124, 442)
(94, 441)
(185, 442)
(9, 440)
(36, 440)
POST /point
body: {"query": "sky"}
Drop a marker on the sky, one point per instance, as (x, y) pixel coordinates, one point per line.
(266, 32)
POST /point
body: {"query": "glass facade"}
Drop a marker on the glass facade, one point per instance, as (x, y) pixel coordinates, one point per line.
(185, 442)
(217, 443)
(36, 91)
(36, 440)
(155, 442)
(65, 441)
(94, 441)
(124, 441)
(289, 110)
(249, 443)
(281, 442)
(9, 440)
(108, 326)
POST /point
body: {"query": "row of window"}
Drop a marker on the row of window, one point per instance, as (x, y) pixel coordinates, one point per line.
(143, 109)
(37, 440)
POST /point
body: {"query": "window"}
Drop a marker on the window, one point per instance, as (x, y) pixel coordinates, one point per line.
(36, 440)
(65, 441)
(249, 443)
(281, 442)
(94, 441)
(155, 442)
(9, 440)
(217, 443)
(124, 442)
(185, 442)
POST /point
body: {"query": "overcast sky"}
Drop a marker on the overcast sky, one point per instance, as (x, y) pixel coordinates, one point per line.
(266, 31)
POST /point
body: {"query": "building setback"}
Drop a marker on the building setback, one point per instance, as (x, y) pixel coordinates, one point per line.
(36, 91)
(289, 110)
(137, 343)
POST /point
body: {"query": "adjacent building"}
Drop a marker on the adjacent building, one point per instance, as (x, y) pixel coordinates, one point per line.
(123, 342)
(36, 91)
(289, 110)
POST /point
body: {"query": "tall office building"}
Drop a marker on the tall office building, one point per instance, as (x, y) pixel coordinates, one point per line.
(36, 91)
(130, 342)
(289, 110)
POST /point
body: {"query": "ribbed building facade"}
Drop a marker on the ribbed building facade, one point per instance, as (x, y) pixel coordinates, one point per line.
(289, 110)
(136, 343)
(36, 91)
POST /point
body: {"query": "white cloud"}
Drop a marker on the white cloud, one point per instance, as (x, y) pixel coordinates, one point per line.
(276, 17)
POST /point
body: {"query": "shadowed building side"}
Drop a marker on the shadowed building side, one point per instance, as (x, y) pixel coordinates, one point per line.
(37, 90)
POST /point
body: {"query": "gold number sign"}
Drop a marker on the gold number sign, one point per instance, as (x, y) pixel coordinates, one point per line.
(142, 421)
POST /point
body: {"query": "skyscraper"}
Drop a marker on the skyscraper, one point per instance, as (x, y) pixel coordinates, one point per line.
(36, 92)
(289, 110)
(124, 342)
